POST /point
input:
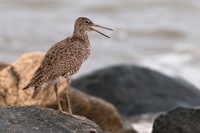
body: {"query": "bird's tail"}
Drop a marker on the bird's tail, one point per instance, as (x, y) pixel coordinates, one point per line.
(31, 83)
(36, 92)
(37, 79)
(27, 86)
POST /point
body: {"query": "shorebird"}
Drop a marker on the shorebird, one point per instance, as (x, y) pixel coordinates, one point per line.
(63, 60)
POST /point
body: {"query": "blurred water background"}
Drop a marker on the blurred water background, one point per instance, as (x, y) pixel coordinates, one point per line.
(163, 35)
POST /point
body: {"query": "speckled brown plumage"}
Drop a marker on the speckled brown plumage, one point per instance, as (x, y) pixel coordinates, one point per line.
(64, 59)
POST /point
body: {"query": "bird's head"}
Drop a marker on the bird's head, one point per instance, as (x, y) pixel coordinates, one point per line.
(85, 25)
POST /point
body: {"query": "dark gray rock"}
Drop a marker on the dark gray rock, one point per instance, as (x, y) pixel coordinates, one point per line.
(137, 90)
(34, 119)
(179, 120)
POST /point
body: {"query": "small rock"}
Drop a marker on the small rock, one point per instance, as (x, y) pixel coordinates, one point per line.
(34, 119)
(138, 90)
(178, 120)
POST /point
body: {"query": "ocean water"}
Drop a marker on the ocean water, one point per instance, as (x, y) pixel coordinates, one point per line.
(163, 35)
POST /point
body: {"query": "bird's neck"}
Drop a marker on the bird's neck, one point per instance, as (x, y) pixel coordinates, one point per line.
(81, 35)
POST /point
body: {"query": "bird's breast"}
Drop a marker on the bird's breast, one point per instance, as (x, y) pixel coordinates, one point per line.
(60, 79)
(86, 50)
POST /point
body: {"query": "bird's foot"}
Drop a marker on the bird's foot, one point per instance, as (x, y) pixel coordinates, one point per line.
(75, 116)
(64, 112)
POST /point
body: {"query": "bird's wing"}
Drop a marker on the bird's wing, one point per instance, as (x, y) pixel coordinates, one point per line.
(69, 62)
(63, 57)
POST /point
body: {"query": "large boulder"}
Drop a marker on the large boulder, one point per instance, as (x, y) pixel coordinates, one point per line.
(178, 120)
(137, 90)
(15, 76)
(34, 119)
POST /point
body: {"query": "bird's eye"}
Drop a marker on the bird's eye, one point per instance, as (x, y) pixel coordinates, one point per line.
(86, 21)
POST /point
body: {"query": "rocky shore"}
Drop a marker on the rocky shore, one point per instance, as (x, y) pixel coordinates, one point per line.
(111, 98)
(36, 119)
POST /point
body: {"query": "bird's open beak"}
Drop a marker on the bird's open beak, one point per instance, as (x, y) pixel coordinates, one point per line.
(95, 25)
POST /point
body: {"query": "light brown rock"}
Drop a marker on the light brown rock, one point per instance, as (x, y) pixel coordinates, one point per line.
(14, 77)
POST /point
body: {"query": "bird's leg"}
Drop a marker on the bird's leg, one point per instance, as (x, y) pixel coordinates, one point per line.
(58, 99)
(69, 104)
(68, 96)
(68, 100)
